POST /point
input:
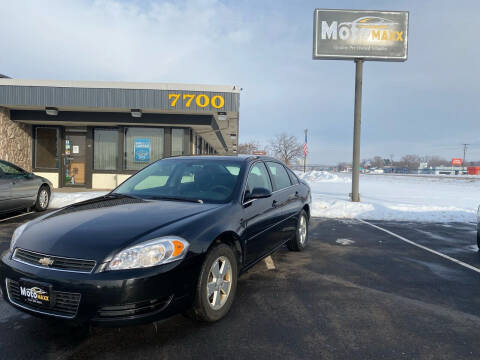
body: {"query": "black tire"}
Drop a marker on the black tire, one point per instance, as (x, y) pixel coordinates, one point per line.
(201, 309)
(41, 204)
(478, 237)
(296, 244)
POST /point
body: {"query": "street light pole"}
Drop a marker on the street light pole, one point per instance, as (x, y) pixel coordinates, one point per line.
(464, 154)
(356, 129)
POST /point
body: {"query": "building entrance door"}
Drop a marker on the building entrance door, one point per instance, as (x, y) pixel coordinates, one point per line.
(74, 159)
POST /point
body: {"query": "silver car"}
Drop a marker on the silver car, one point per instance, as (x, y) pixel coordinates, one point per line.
(20, 189)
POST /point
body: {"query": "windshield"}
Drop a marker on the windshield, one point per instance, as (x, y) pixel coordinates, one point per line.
(199, 180)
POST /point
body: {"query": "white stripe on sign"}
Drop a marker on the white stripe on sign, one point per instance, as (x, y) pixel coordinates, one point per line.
(269, 262)
(422, 247)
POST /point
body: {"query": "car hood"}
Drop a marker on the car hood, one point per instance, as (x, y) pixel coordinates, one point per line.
(94, 229)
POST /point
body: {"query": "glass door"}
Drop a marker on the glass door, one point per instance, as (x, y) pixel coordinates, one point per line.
(74, 161)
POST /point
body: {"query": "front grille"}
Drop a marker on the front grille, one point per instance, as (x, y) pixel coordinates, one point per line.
(135, 309)
(64, 304)
(56, 262)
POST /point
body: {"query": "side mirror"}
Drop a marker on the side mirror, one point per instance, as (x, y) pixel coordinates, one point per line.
(258, 193)
(29, 175)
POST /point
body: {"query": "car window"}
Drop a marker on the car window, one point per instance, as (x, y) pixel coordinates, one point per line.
(293, 177)
(258, 178)
(280, 177)
(9, 170)
(206, 180)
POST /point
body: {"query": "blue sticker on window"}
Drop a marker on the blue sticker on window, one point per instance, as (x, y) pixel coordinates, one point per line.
(142, 150)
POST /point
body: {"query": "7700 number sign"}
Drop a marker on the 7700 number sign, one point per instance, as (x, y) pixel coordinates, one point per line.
(201, 100)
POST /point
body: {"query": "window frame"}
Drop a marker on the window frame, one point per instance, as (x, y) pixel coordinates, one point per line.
(293, 177)
(35, 148)
(244, 189)
(21, 171)
(171, 141)
(124, 155)
(273, 177)
(119, 153)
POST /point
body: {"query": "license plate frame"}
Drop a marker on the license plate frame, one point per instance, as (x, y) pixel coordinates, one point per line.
(35, 293)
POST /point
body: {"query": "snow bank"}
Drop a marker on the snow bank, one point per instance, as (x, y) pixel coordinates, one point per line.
(322, 176)
(61, 199)
(403, 198)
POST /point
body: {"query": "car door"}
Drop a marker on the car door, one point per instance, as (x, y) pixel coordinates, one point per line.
(297, 195)
(282, 198)
(23, 188)
(258, 214)
(5, 191)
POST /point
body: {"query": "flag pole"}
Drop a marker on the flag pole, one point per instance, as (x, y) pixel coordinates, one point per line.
(305, 152)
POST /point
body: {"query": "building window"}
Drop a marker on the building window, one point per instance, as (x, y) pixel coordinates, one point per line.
(143, 146)
(177, 142)
(46, 148)
(105, 149)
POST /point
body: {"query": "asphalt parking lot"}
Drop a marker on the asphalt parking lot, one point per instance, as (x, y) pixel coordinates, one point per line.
(355, 293)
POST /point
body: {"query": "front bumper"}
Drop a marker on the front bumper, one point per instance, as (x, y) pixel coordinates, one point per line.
(111, 298)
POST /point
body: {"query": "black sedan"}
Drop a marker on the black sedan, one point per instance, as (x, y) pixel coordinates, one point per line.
(20, 189)
(172, 238)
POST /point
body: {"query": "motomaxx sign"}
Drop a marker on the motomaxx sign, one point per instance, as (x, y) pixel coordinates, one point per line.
(354, 34)
(359, 35)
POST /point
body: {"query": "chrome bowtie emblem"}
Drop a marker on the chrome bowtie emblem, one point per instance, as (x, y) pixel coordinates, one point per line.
(45, 261)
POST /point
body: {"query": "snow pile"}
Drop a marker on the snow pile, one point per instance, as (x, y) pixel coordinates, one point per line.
(61, 199)
(386, 197)
(322, 176)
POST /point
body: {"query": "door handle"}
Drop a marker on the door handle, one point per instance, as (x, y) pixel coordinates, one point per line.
(274, 203)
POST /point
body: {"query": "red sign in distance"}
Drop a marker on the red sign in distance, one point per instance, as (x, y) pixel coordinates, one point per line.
(457, 162)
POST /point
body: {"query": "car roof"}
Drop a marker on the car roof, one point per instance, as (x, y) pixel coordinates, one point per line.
(237, 158)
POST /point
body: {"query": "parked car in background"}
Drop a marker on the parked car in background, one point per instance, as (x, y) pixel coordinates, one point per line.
(20, 189)
(172, 238)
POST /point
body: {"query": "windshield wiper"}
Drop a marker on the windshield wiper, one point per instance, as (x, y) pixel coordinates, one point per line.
(173, 198)
(120, 195)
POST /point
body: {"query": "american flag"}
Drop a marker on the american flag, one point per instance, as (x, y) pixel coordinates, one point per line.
(305, 147)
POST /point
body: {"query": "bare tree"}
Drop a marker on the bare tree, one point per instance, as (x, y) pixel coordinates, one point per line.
(377, 162)
(435, 161)
(248, 148)
(409, 161)
(286, 148)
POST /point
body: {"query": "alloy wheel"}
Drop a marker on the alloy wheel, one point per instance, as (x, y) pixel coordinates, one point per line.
(219, 283)
(43, 198)
(302, 230)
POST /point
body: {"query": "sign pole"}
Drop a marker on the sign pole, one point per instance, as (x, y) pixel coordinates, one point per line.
(356, 129)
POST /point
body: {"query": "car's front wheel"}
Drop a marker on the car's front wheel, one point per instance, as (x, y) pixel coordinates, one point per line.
(217, 284)
(43, 198)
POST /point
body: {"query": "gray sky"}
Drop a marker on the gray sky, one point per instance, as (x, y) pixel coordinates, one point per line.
(428, 105)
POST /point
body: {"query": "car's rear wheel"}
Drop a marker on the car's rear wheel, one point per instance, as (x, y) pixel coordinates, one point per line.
(217, 284)
(478, 237)
(300, 239)
(43, 198)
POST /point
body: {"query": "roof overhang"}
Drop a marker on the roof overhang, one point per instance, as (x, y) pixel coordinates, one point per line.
(202, 107)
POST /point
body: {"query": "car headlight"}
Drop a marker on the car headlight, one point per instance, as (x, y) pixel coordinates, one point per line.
(16, 234)
(150, 253)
